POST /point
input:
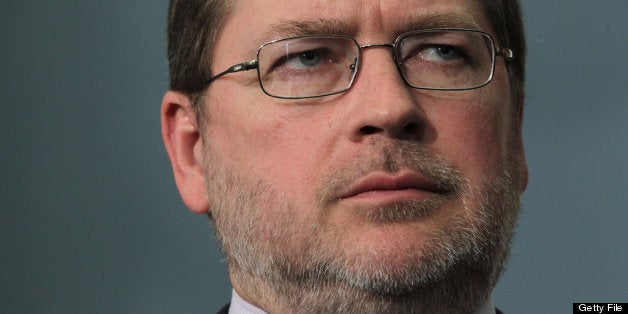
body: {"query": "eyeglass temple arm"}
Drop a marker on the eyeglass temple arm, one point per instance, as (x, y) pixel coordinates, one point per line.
(504, 52)
(244, 66)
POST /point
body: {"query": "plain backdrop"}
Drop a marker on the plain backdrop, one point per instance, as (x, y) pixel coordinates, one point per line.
(91, 221)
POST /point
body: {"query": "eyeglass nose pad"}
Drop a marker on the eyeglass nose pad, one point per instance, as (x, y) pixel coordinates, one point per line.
(354, 65)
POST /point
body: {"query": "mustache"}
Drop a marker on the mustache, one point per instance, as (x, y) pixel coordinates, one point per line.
(392, 157)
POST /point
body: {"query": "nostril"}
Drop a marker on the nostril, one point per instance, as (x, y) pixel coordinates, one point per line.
(410, 128)
(369, 130)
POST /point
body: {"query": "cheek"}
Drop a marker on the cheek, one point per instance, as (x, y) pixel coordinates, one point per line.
(283, 145)
(296, 144)
(477, 135)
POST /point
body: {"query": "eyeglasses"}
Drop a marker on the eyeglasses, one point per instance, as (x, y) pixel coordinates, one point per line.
(321, 65)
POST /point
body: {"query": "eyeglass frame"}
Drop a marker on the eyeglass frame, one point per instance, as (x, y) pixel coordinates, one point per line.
(497, 51)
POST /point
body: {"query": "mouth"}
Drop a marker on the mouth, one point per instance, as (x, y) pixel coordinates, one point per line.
(381, 187)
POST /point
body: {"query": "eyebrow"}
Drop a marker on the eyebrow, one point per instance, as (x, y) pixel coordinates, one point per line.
(289, 28)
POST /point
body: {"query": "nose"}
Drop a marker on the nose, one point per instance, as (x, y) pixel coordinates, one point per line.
(381, 103)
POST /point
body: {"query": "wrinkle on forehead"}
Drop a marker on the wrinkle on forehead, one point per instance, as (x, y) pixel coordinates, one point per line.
(289, 28)
(310, 27)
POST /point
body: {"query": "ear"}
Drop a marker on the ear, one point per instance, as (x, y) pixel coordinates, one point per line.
(179, 129)
(523, 167)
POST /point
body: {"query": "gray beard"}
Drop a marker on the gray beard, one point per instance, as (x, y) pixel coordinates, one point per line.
(294, 269)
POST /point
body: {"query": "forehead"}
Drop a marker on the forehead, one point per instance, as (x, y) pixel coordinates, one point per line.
(262, 21)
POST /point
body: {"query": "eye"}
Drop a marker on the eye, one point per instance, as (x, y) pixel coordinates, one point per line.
(306, 59)
(440, 53)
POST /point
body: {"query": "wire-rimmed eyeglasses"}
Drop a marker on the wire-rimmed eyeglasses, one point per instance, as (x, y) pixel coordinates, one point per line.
(321, 65)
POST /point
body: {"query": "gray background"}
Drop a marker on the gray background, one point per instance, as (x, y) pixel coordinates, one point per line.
(92, 223)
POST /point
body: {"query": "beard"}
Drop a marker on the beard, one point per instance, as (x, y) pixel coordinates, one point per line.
(290, 264)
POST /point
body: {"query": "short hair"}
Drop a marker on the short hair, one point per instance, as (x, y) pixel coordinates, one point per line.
(193, 26)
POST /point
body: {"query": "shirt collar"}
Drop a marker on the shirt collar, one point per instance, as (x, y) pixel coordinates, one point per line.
(240, 306)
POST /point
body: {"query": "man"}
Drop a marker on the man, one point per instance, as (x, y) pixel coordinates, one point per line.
(355, 156)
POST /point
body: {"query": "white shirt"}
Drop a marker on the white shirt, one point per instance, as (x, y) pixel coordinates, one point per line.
(239, 306)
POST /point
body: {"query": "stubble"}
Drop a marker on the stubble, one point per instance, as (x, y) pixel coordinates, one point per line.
(292, 266)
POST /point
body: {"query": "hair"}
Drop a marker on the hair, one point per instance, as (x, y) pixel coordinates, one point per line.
(507, 21)
(193, 26)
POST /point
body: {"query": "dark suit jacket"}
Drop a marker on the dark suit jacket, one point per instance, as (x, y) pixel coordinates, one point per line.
(225, 310)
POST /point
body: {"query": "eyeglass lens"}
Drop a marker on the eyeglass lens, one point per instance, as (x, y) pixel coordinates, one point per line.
(307, 66)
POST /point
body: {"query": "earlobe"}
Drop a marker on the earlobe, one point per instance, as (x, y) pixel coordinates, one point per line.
(184, 144)
(524, 166)
(522, 158)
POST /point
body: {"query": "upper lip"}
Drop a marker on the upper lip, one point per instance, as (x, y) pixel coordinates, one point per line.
(380, 181)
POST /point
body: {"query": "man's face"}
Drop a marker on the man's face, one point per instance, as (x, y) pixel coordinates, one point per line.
(382, 188)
